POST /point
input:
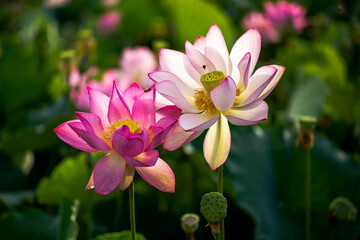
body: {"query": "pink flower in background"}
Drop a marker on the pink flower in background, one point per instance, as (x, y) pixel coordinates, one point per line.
(109, 22)
(276, 19)
(79, 83)
(127, 127)
(109, 3)
(263, 24)
(284, 13)
(213, 87)
(136, 64)
(56, 3)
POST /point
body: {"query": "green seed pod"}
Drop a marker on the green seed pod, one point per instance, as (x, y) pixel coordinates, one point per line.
(212, 79)
(343, 209)
(213, 206)
(190, 222)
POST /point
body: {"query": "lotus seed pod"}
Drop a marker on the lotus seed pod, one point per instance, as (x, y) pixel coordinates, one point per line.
(306, 132)
(213, 206)
(343, 209)
(190, 222)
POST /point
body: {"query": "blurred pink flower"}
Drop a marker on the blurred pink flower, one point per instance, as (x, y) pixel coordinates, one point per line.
(79, 83)
(136, 64)
(56, 3)
(263, 24)
(109, 3)
(128, 128)
(276, 19)
(213, 87)
(284, 13)
(108, 22)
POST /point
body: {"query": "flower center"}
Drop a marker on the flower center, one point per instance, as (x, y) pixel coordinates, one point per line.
(202, 97)
(211, 80)
(133, 126)
(203, 101)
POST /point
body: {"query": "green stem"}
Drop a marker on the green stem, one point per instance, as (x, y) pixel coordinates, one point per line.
(220, 183)
(90, 163)
(220, 188)
(308, 196)
(132, 210)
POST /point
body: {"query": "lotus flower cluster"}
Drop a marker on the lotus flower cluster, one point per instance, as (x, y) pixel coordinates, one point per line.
(276, 19)
(213, 87)
(127, 127)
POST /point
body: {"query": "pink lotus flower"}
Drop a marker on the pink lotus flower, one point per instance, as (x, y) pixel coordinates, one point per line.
(213, 87)
(108, 22)
(79, 83)
(263, 24)
(128, 128)
(284, 13)
(136, 64)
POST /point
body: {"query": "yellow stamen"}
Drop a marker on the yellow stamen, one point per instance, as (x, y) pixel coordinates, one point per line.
(203, 101)
(133, 126)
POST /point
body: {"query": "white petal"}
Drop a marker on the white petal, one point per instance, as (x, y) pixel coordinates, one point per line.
(248, 115)
(217, 143)
(223, 96)
(217, 51)
(160, 76)
(200, 62)
(248, 42)
(197, 122)
(274, 81)
(170, 91)
(179, 64)
(257, 83)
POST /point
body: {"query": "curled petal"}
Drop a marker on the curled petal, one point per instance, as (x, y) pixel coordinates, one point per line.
(223, 96)
(197, 122)
(178, 137)
(257, 83)
(274, 81)
(65, 133)
(127, 178)
(217, 51)
(179, 64)
(99, 104)
(91, 139)
(169, 90)
(108, 172)
(91, 122)
(144, 159)
(118, 109)
(126, 144)
(248, 42)
(160, 176)
(243, 67)
(248, 115)
(200, 62)
(217, 143)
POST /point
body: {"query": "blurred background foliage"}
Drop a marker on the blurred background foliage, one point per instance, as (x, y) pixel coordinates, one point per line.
(42, 179)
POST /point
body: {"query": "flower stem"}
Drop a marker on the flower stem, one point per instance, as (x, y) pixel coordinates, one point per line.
(90, 163)
(132, 210)
(220, 189)
(308, 195)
